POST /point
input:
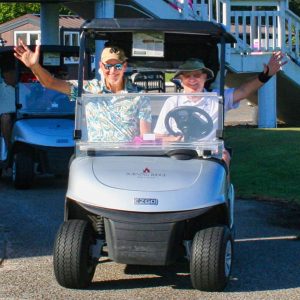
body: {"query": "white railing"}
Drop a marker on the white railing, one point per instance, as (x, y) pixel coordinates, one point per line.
(260, 26)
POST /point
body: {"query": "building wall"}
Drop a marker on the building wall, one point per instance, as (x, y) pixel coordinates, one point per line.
(9, 35)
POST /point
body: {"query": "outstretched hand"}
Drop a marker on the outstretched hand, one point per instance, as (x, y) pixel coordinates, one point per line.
(24, 54)
(275, 63)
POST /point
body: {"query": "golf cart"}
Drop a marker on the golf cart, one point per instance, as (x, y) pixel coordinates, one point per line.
(146, 200)
(42, 134)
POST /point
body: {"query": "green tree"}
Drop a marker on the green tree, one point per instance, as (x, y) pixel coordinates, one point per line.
(11, 11)
(294, 5)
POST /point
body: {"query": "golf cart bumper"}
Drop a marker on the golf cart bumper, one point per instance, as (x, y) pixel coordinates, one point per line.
(145, 238)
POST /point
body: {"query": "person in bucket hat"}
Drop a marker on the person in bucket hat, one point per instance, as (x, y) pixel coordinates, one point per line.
(112, 66)
(193, 74)
(194, 65)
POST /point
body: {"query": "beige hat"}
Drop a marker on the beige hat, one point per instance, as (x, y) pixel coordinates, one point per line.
(113, 53)
(194, 64)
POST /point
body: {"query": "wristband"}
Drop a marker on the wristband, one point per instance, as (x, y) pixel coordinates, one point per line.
(264, 77)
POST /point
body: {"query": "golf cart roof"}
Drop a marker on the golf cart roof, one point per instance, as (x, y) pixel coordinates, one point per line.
(106, 28)
(7, 52)
(55, 58)
(161, 44)
(65, 50)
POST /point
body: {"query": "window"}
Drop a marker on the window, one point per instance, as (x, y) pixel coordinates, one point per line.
(71, 38)
(28, 37)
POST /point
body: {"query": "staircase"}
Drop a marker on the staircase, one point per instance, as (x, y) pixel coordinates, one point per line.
(260, 27)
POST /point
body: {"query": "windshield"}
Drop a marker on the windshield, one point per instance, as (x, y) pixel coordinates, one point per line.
(111, 123)
(38, 100)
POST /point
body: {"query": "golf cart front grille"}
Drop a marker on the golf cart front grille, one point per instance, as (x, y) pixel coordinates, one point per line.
(143, 243)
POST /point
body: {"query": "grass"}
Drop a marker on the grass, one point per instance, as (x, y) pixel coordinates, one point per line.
(169, 76)
(265, 162)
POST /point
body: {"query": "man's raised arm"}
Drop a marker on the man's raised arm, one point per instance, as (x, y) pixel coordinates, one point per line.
(31, 60)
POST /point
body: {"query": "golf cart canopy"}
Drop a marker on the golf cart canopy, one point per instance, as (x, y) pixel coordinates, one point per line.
(55, 58)
(106, 29)
(163, 44)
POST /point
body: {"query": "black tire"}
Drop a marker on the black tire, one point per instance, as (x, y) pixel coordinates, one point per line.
(23, 170)
(74, 266)
(211, 259)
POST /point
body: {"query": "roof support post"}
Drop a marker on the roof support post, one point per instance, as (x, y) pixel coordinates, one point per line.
(49, 23)
(103, 9)
(281, 7)
(267, 112)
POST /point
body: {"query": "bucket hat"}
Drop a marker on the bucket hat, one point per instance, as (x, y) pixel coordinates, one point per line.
(194, 64)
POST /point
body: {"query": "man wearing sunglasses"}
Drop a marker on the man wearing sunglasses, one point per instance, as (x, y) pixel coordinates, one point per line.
(134, 115)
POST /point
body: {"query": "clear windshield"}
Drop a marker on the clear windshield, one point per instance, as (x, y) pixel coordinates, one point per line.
(114, 123)
(36, 99)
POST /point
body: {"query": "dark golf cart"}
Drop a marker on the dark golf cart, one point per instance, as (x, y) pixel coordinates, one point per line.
(146, 201)
(42, 134)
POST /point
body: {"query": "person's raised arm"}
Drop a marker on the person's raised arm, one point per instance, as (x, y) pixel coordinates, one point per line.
(31, 60)
(246, 89)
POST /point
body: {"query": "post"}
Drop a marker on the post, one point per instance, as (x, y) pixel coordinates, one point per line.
(267, 112)
(49, 23)
(103, 9)
(281, 7)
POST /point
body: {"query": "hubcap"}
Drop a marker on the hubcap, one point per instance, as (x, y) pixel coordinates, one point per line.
(14, 171)
(228, 258)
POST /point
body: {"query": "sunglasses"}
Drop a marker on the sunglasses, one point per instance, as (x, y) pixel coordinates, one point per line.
(116, 66)
(189, 75)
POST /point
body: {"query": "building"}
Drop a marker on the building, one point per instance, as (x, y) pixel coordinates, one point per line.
(27, 27)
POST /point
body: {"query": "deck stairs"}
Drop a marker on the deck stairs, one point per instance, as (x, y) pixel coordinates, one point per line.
(260, 27)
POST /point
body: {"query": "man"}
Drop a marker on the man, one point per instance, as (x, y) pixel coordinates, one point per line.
(134, 114)
(7, 100)
(193, 75)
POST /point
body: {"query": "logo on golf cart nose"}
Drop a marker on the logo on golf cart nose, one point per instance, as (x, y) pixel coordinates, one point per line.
(146, 170)
(145, 173)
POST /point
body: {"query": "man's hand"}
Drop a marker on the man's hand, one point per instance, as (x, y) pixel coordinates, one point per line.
(170, 138)
(24, 54)
(275, 63)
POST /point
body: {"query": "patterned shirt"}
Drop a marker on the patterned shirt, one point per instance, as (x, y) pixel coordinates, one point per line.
(115, 118)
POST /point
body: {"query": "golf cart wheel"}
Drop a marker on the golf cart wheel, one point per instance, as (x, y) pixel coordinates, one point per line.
(211, 259)
(22, 170)
(74, 266)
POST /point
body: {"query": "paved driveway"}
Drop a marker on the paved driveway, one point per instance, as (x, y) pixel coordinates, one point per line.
(266, 266)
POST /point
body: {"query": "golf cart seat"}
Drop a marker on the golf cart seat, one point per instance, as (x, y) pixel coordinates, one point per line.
(150, 81)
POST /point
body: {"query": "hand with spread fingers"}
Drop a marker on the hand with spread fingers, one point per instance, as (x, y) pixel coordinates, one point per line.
(275, 63)
(24, 54)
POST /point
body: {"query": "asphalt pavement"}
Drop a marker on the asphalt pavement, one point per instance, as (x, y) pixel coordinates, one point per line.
(266, 264)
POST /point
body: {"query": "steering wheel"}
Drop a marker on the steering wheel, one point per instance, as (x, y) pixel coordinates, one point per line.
(192, 121)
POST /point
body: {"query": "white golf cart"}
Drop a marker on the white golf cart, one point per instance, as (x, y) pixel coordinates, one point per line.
(42, 134)
(144, 200)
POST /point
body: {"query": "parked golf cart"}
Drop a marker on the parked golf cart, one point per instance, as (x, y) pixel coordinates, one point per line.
(42, 134)
(146, 201)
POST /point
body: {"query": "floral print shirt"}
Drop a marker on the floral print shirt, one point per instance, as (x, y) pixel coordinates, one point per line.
(115, 118)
